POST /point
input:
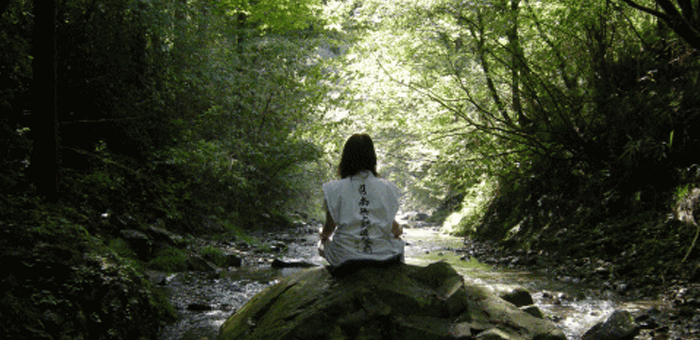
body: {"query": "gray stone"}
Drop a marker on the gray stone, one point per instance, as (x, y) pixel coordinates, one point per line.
(233, 260)
(493, 334)
(277, 263)
(198, 264)
(138, 242)
(397, 302)
(532, 310)
(519, 297)
(164, 236)
(618, 326)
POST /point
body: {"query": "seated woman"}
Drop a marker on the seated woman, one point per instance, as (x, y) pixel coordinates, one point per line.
(360, 228)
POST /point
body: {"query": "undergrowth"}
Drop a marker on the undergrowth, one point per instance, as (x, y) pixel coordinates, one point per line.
(61, 282)
(639, 229)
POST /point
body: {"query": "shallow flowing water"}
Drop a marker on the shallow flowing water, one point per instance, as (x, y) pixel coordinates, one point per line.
(205, 300)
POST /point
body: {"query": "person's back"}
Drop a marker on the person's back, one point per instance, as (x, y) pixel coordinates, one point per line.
(363, 208)
(360, 210)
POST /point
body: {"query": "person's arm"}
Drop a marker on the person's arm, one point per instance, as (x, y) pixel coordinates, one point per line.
(328, 226)
(396, 229)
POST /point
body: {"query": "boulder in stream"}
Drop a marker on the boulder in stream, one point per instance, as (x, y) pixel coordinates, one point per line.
(618, 326)
(277, 263)
(518, 296)
(138, 242)
(397, 302)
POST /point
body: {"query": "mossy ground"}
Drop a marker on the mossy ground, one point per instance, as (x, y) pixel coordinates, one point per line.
(60, 281)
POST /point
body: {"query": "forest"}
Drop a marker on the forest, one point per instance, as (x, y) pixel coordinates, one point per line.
(561, 126)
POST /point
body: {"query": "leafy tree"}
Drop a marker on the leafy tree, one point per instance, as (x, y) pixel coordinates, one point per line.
(570, 106)
(276, 16)
(681, 16)
(170, 113)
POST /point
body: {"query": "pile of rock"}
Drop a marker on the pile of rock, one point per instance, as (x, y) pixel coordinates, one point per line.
(398, 302)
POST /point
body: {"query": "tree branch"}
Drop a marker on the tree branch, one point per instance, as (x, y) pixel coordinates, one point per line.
(648, 10)
(675, 20)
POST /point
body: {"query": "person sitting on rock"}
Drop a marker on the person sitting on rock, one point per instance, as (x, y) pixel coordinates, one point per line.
(360, 228)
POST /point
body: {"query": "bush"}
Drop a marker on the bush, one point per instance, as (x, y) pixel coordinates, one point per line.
(214, 255)
(169, 259)
(121, 248)
(59, 282)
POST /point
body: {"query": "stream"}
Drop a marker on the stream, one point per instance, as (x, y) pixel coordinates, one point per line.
(205, 300)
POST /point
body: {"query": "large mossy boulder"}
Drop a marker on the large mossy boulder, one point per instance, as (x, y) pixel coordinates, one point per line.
(398, 302)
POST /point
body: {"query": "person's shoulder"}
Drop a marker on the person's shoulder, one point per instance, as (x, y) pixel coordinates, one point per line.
(384, 180)
(334, 183)
(387, 183)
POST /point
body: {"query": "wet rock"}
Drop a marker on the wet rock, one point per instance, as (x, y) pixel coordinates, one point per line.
(413, 216)
(138, 242)
(649, 319)
(565, 297)
(533, 310)
(163, 279)
(278, 246)
(399, 302)
(161, 235)
(199, 307)
(618, 326)
(518, 296)
(277, 263)
(602, 272)
(233, 260)
(244, 246)
(198, 264)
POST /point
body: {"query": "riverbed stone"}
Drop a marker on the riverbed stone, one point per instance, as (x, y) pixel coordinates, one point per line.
(518, 296)
(397, 302)
(233, 260)
(618, 326)
(163, 236)
(532, 310)
(199, 264)
(139, 242)
(277, 263)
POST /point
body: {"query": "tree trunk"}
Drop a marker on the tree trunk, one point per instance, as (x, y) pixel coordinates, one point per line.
(3, 6)
(45, 161)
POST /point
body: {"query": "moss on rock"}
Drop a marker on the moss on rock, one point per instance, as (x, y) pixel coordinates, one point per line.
(399, 302)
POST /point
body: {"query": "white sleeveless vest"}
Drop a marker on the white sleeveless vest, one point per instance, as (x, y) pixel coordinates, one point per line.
(363, 208)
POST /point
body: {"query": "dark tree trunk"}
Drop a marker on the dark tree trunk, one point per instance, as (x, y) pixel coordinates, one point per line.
(3, 6)
(45, 161)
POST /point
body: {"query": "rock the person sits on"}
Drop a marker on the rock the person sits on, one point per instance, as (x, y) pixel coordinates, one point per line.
(397, 302)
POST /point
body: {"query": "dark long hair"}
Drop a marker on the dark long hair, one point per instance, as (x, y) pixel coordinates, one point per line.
(358, 155)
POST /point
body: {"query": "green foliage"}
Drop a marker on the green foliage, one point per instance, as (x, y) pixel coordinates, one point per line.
(578, 112)
(169, 259)
(172, 113)
(60, 282)
(472, 210)
(544, 122)
(214, 255)
(121, 248)
(244, 152)
(277, 15)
